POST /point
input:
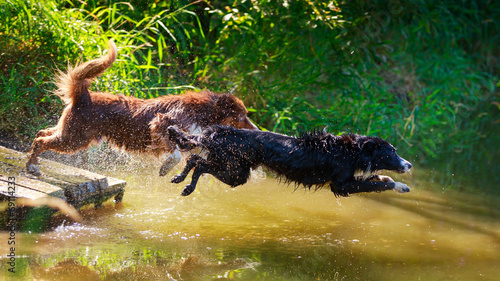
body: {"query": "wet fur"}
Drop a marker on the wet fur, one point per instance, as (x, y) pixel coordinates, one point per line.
(311, 160)
(124, 120)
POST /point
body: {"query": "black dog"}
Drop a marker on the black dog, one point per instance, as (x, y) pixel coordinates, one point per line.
(312, 159)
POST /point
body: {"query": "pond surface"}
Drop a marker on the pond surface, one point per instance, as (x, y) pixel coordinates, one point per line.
(267, 230)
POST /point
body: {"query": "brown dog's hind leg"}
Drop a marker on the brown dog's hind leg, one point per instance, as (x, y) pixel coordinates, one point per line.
(50, 140)
(33, 157)
(46, 132)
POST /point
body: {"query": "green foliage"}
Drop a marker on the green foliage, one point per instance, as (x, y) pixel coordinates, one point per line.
(423, 74)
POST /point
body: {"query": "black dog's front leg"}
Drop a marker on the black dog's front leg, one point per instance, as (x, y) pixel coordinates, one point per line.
(368, 186)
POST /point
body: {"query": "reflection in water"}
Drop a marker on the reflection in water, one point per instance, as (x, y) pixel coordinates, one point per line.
(266, 231)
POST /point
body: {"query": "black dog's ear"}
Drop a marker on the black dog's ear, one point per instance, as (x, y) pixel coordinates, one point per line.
(370, 145)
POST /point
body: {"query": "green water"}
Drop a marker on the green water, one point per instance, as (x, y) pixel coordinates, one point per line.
(265, 230)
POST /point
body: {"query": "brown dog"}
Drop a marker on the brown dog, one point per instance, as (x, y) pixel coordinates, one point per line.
(125, 121)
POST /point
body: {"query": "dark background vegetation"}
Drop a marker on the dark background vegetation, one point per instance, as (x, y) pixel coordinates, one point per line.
(422, 74)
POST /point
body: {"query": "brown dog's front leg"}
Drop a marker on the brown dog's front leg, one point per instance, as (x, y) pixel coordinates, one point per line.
(173, 159)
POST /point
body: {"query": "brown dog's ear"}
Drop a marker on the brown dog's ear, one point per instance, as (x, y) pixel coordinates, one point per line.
(225, 106)
(225, 101)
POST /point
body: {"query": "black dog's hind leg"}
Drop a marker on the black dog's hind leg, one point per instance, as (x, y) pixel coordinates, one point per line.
(198, 171)
(231, 175)
(200, 166)
(184, 140)
(368, 186)
(191, 162)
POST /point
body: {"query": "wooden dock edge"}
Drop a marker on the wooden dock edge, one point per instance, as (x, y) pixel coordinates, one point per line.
(60, 188)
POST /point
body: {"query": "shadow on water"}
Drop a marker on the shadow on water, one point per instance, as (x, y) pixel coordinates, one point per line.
(265, 230)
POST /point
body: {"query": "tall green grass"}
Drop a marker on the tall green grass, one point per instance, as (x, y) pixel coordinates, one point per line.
(422, 74)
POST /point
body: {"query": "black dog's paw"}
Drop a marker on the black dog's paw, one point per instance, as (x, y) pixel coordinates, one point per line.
(401, 187)
(188, 190)
(177, 178)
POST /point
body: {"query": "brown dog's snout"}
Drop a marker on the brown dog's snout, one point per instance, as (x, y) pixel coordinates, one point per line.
(250, 125)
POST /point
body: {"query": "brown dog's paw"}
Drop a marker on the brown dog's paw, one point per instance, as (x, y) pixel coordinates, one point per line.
(165, 168)
(33, 169)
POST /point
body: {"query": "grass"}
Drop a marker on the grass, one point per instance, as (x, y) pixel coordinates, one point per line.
(422, 74)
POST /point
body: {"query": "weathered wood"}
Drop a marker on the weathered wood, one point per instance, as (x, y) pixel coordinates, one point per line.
(75, 186)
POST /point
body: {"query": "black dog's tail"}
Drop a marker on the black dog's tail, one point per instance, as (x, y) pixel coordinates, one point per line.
(184, 140)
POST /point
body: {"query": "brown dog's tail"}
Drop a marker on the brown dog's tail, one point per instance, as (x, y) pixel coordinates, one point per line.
(76, 81)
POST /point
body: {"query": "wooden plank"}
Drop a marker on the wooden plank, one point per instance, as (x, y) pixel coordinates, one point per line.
(29, 188)
(75, 186)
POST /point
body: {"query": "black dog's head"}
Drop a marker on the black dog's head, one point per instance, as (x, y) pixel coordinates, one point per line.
(381, 155)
